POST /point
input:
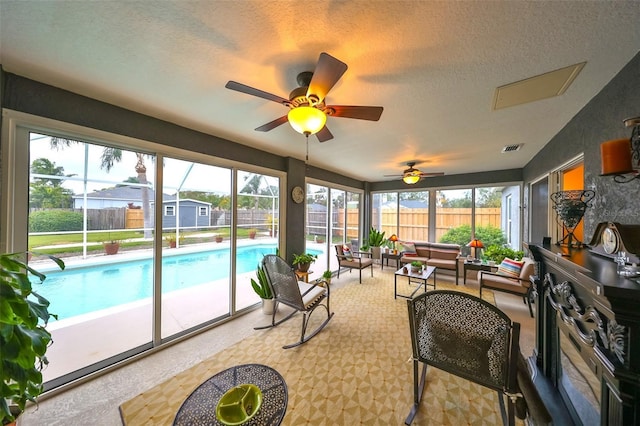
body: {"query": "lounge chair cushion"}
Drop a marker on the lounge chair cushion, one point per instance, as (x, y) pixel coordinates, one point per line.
(510, 268)
(313, 295)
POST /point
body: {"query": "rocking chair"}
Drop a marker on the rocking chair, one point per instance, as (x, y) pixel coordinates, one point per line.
(468, 337)
(302, 297)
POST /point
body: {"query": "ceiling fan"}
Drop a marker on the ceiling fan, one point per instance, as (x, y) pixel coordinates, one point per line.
(307, 109)
(411, 176)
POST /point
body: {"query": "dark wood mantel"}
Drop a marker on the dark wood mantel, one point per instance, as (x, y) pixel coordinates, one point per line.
(579, 295)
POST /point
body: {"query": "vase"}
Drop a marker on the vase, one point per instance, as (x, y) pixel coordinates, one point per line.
(303, 267)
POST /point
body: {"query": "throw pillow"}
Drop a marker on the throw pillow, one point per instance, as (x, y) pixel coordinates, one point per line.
(408, 248)
(347, 252)
(510, 268)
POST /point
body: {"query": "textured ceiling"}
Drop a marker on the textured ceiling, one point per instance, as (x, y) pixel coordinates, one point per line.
(433, 66)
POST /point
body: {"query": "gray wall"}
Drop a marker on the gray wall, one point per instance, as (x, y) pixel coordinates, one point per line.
(600, 120)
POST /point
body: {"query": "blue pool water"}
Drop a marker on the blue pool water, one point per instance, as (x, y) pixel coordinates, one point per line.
(86, 289)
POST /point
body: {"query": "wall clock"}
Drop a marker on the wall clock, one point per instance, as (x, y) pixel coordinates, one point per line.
(610, 238)
(297, 194)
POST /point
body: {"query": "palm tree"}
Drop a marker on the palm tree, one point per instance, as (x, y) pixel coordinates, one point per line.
(108, 158)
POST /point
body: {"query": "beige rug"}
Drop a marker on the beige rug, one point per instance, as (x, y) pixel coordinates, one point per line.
(356, 371)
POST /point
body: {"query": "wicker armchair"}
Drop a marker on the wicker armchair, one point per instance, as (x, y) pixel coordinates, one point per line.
(467, 337)
(302, 297)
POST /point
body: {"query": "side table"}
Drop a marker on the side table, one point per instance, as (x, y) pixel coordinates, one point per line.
(303, 275)
(200, 407)
(473, 266)
(388, 256)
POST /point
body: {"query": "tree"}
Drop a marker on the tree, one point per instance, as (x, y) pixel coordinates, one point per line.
(46, 190)
(488, 197)
(108, 158)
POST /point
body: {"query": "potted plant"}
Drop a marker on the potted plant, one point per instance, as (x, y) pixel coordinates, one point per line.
(252, 233)
(173, 241)
(219, 238)
(416, 266)
(376, 240)
(326, 276)
(111, 247)
(262, 289)
(24, 338)
(304, 261)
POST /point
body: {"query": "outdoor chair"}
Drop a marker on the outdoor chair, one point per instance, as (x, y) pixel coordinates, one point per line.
(518, 283)
(353, 260)
(301, 296)
(468, 337)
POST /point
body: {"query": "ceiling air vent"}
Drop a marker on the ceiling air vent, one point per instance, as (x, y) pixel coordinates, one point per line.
(511, 148)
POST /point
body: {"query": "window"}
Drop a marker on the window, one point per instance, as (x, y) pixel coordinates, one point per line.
(61, 196)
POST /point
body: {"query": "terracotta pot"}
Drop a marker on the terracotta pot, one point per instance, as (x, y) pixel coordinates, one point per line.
(303, 267)
(219, 239)
(252, 235)
(111, 248)
(172, 244)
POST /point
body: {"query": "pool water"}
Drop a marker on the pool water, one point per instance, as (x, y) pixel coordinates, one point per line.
(90, 288)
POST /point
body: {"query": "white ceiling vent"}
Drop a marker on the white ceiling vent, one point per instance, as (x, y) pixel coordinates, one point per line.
(547, 85)
(511, 148)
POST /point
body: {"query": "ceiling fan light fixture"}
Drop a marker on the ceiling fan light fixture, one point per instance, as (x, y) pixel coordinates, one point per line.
(411, 178)
(307, 120)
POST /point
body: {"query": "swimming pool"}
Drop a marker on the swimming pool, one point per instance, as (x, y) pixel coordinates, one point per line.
(87, 289)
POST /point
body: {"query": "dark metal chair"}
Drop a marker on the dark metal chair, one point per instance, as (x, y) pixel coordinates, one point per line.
(467, 337)
(302, 297)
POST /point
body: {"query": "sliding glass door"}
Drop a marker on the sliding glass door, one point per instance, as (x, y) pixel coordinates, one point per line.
(157, 242)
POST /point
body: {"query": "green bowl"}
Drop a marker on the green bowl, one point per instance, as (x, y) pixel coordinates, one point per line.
(239, 404)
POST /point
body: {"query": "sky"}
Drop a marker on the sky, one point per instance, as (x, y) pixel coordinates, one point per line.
(177, 173)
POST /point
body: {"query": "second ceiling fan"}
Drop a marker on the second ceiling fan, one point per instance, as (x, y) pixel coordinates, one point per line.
(307, 109)
(412, 175)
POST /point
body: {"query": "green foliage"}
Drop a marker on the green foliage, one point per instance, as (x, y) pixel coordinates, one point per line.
(304, 258)
(498, 252)
(376, 238)
(24, 339)
(261, 287)
(55, 221)
(461, 235)
(327, 274)
(416, 264)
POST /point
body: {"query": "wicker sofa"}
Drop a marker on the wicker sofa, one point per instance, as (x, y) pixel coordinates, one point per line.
(442, 256)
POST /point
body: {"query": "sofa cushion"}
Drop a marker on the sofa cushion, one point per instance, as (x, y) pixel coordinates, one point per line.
(510, 268)
(423, 251)
(407, 248)
(445, 253)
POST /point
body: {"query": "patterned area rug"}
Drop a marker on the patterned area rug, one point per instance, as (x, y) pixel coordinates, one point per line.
(356, 371)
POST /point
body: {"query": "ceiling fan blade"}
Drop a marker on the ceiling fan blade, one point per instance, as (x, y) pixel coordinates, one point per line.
(325, 76)
(431, 174)
(273, 124)
(324, 134)
(243, 88)
(371, 113)
(392, 175)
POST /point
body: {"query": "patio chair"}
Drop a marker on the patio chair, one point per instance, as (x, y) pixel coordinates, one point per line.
(302, 297)
(467, 337)
(353, 260)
